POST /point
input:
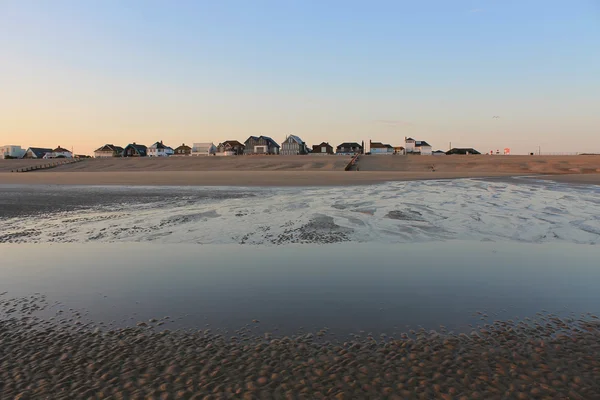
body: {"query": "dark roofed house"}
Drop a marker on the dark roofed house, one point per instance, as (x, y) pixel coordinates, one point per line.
(230, 148)
(323, 148)
(349, 148)
(135, 150)
(37, 152)
(293, 145)
(108, 150)
(463, 151)
(380, 148)
(159, 149)
(260, 145)
(439, 153)
(182, 150)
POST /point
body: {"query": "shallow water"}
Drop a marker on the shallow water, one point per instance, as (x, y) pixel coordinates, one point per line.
(396, 212)
(346, 287)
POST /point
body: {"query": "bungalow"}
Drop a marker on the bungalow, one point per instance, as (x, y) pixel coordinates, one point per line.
(463, 151)
(399, 150)
(108, 150)
(417, 147)
(135, 150)
(182, 150)
(36, 152)
(439, 153)
(158, 149)
(323, 148)
(11, 151)
(59, 152)
(380, 148)
(260, 145)
(204, 149)
(230, 148)
(349, 148)
(293, 145)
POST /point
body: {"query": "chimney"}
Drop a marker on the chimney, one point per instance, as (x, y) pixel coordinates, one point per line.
(161, 142)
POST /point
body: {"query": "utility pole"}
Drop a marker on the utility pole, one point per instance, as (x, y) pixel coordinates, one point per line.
(539, 150)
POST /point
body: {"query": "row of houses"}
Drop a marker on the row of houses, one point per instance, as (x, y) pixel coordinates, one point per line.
(13, 151)
(292, 145)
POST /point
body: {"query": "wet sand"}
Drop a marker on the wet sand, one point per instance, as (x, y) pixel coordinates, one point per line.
(63, 358)
(234, 178)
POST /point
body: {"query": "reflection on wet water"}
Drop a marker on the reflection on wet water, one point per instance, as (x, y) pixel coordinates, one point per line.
(345, 287)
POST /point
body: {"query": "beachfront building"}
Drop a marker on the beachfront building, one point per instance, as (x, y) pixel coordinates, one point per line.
(59, 152)
(379, 148)
(323, 148)
(293, 145)
(230, 148)
(11, 151)
(108, 150)
(417, 147)
(36, 152)
(462, 151)
(158, 149)
(260, 145)
(204, 149)
(349, 149)
(182, 150)
(135, 150)
(399, 150)
(439, 153)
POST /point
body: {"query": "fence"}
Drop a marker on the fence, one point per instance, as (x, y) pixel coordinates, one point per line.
(46, 166)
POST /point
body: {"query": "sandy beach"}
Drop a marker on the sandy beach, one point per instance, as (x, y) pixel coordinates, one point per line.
(300, 170)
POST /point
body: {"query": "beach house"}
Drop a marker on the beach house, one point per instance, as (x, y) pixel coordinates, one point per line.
(59, 152)
(349, 148)
(399, 150)
(380, 148)
(108, 150)
(260, 145)
(323, 148)
(135, 150)
(36, 152)
(230, 148)
(413, 146)
(158, 149)
(293, 145)
(204, 149)
(182, 150)
(11, 151)
(462, 151)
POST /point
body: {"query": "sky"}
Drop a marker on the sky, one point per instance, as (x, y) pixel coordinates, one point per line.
(82, 73)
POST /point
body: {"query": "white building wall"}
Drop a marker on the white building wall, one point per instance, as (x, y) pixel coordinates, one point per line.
(409, 146)
(12, 151)
(426, 150)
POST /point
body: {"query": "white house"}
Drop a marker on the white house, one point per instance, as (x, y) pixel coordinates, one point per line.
(204, 149)
(59, 152)
(11, 151)
(417, 147)
(158, 149)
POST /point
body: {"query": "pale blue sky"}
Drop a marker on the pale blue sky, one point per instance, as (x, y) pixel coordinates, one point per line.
(83, 73)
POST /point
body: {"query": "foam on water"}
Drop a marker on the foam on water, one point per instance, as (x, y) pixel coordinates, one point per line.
(465, 209)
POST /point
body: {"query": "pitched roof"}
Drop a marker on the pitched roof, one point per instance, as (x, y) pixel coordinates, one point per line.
(462, 150)
(108, 147)
(183, 146)
(60, 150)
(232, 143)
(266, 138)
(350, 144)
(420, 143)
(407, 139)
(139, 147)
(159, 145)
(379, 145)
(296, 139)
(39, 151)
